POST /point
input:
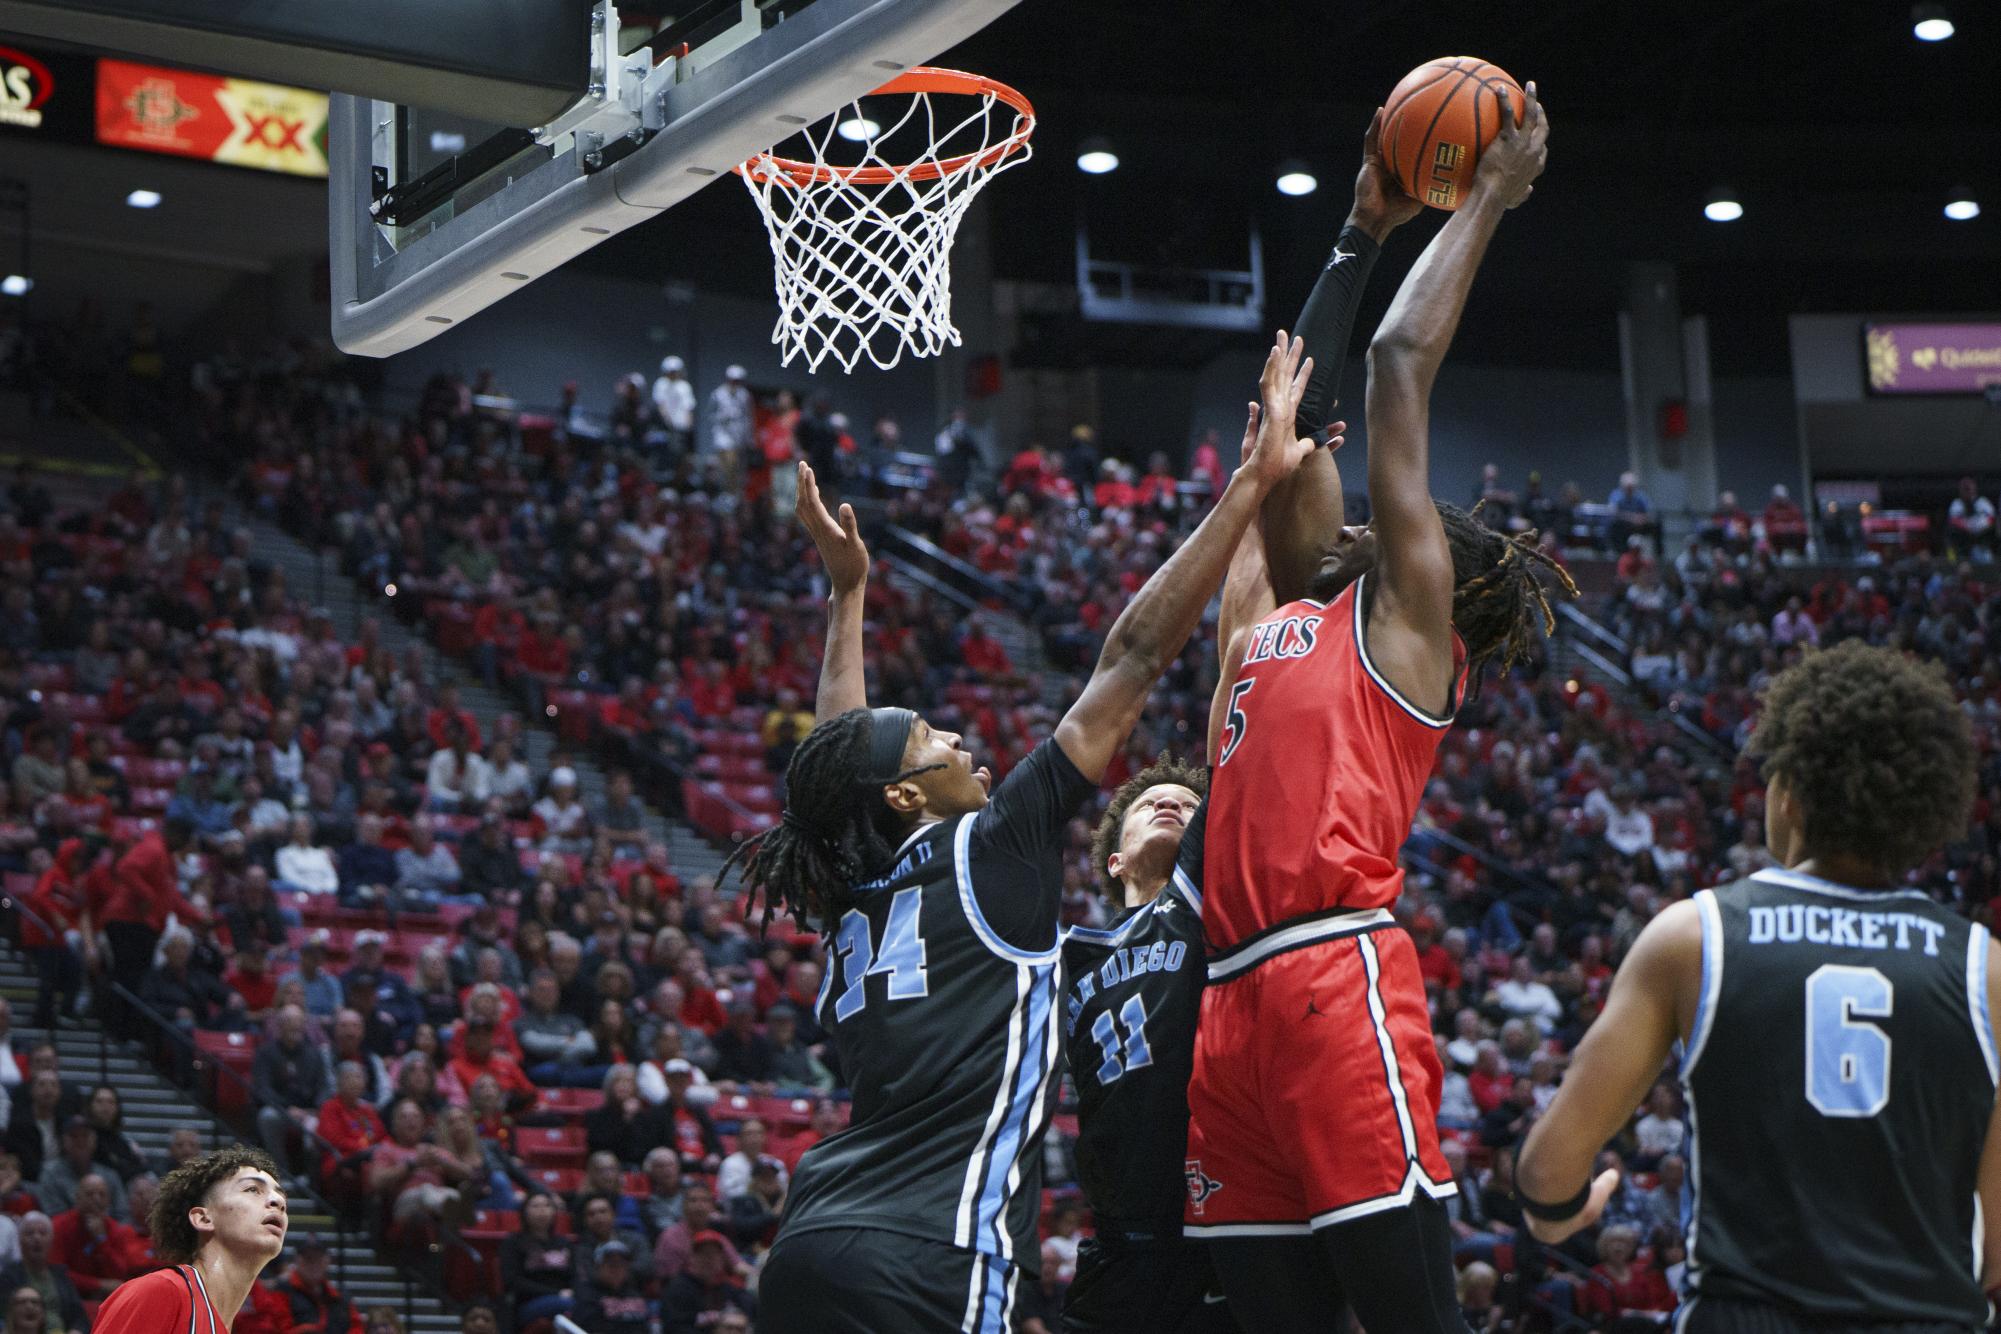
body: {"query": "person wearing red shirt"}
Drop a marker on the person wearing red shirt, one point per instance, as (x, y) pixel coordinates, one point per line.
(541, 651)
(1621, 1285)
(983, 653)
(316, 1305)
(99, 1251)
(448, 709)
(347, 1123)
(1434, 962)
(54, 907)
(265, 1311)
(479, 1058)
(146, 890)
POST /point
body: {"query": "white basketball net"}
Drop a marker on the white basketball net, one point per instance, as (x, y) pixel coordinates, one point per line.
(864, 268)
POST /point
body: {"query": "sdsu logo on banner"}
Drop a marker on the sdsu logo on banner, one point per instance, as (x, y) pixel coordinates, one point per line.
(247, 124)
(25, 86)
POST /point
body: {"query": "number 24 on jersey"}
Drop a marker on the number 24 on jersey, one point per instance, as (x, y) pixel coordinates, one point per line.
(901, 955)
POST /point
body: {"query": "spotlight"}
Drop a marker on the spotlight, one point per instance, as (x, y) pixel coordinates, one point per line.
(1296, 178)
(143, 199)
(858, 129)
(1722, 206)
(15, 285)
(1961, 206)
(1931, 23)
(1095, 156)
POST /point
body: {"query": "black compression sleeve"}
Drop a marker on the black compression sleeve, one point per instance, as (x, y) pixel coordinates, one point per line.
(1328, 320)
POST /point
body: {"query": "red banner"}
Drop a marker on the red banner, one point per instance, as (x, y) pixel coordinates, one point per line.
(247, 124)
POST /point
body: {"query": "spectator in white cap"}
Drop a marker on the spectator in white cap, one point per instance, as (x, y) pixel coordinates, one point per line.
(566, 825)
(730, 421)
(674, 400)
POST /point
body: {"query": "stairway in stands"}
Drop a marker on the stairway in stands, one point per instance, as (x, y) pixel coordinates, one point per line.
(155, 1108)
(315, 578)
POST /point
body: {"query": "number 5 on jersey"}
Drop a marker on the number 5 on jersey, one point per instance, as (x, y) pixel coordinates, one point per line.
(1235, 724)
(902, 954)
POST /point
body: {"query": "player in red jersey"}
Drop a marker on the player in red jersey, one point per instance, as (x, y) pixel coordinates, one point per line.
(219, 1219)
(1313, 1163)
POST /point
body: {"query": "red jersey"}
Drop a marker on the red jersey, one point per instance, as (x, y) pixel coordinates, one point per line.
(166, 1301)
(1320, 771)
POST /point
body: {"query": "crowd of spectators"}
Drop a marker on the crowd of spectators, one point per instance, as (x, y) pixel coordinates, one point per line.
(487, 1008)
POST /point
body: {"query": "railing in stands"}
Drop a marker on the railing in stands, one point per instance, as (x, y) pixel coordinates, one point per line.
(975, 583)
(1581, 624)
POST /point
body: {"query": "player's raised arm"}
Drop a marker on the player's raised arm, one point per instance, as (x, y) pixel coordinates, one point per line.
(1411, 621)
(843, 676)
(1303, 511)
(1155, 625)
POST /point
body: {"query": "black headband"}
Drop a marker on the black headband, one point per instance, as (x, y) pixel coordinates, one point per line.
(889, 734)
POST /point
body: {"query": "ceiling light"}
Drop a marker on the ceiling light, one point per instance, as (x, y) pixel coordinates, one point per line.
(858, 129)
(1961, 206)
(1723, 206)
(15, 285)
(144, 199)
(1931, 23)
(1095, 156)
(1295, 178)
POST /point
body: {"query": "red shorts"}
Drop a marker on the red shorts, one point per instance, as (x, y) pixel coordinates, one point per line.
(1315, 1095)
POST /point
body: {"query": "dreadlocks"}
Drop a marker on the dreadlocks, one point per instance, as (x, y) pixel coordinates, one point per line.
(1497, 597)
(836, 827)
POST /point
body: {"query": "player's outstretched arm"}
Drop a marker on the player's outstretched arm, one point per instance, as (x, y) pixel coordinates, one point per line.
(843, 675)
(1652, 1002)
(1156, 624)
(1303, 511)
(1411, 621)
(1247, 599)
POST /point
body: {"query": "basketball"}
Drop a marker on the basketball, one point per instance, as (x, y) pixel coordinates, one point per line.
(1439, 120)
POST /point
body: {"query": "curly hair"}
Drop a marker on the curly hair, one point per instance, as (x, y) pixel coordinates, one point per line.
(1105, 838)
(835, 830)
(1876, 751)
(1498, 600)
(175, 1240)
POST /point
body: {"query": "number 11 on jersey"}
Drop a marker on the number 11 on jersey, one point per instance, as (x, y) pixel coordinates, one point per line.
(1131, 1054)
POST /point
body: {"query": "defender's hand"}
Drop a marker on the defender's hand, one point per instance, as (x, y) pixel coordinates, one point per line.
(840, 542)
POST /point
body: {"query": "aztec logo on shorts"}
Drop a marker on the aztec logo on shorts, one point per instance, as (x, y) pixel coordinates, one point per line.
(1200, 1184)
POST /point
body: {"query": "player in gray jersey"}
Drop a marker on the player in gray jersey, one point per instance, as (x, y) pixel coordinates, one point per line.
(1837, 1035)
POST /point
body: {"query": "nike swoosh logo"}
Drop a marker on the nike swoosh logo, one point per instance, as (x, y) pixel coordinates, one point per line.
(1214, 1298)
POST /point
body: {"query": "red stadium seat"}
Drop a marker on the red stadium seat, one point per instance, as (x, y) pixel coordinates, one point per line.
(572, 1102)
(217, 1052)
(551, 1146)
(562, 1180)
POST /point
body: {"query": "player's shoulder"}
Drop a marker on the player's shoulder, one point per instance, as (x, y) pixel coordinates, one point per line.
(141, 1303)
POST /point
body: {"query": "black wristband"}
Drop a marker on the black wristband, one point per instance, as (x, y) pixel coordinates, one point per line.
(1555, 1213)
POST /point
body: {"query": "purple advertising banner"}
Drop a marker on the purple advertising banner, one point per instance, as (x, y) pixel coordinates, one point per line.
(1933, 358)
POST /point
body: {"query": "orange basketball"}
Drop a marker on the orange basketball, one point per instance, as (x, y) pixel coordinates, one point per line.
(1439, 120)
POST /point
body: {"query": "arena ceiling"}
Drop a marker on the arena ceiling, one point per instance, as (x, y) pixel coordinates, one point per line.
(1841, 134)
